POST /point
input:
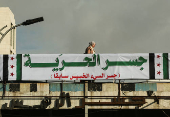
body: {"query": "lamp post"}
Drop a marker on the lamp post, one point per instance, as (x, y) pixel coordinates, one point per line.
(27, 22)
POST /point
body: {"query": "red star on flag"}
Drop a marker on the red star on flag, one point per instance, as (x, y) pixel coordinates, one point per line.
(158, 72)
(158, 64)
(158, 56)
(12, 66)
(12, 58)
(11, 74)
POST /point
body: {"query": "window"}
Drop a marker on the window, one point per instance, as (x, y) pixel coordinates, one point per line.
(33, 87)
(128, 87)
(94, 86)
(14, 87)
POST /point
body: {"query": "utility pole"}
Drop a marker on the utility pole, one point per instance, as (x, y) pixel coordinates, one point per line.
(86, 99)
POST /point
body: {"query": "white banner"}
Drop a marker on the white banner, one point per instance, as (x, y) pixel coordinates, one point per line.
(85, 66)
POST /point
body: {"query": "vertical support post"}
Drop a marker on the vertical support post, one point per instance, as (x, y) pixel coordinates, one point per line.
(0, 113)
(86, 99)
(62, 87)
(61, 94)
(5, 73)
(119, 91)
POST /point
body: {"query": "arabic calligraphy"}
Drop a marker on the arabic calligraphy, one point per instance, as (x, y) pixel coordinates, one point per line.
(90, 62)
(84, 76)
(60, 76)
(95, 77)
(59, 64)
(113, 76)
(137, 62)
(77, 77)
(79, 64)
(28, 63)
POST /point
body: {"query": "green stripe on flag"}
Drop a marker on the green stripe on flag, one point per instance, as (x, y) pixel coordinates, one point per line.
(165, 66)
(19, 66)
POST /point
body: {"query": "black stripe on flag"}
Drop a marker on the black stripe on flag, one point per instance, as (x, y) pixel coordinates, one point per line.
(5, 68)
(151, 66)
(19, 67)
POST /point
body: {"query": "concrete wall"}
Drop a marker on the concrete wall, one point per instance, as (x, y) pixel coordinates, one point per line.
(8, 44)
(108, 89)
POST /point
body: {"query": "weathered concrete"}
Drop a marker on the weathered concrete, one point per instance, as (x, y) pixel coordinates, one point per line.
(8, 44)
(108, 89)
(163, 86)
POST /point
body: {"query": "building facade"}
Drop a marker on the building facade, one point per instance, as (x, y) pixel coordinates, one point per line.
(85, 95)
(100, 95)
(8, 43)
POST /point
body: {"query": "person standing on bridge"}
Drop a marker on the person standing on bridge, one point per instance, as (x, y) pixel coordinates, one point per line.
(90, 48)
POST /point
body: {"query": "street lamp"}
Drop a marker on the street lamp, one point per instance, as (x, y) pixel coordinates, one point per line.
(27, 22)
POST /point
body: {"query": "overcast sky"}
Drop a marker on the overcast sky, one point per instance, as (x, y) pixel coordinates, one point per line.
(117, 26)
